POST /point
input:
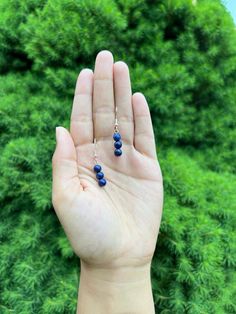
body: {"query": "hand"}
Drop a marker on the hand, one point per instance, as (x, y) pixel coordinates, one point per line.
(115, 227)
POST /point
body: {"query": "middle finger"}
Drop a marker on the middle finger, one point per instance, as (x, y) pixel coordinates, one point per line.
(103, 96)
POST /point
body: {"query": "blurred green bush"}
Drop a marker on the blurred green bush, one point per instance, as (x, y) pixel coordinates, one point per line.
(183, 57)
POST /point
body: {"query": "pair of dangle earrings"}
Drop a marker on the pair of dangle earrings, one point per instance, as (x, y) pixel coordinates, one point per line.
(117, 152)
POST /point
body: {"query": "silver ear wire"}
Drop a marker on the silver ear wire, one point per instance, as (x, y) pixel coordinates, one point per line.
(117, 136)
(95, 156)
(116, 121)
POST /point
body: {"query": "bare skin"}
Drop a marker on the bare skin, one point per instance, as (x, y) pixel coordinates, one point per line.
(113, 229)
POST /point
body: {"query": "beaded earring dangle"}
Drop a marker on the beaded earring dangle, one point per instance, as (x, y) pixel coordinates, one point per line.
(117, 137)
(97, 168)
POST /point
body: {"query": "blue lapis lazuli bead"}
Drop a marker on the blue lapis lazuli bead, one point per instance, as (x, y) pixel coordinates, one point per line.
(116, 136)
(99, 175)
(118, 144)
(97, 168)
(102, 182)
(118, 152)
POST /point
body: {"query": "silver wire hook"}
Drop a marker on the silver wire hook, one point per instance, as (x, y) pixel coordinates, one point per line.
(95, 150)
(116, 120)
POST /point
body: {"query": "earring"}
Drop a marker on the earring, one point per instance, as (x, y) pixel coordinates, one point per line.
(97, 168)
(117, 137)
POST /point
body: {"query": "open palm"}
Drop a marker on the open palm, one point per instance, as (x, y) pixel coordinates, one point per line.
(114, 225)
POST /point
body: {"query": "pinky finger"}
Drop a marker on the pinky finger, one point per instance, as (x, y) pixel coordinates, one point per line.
(144, 140)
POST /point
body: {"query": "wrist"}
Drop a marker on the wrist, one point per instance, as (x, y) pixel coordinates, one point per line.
(115, 290)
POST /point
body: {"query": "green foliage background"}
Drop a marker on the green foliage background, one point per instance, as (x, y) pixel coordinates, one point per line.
(183, 58)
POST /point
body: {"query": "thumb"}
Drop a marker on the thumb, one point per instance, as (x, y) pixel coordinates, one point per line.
(64, 164)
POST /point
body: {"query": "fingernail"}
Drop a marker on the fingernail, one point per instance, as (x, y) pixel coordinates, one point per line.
(58, 132)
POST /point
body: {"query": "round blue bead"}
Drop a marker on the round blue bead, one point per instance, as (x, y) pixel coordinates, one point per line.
(118, 152)
(99, 175)
(102, 182)
(118, 144)
(116, 136)
(97, 168)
